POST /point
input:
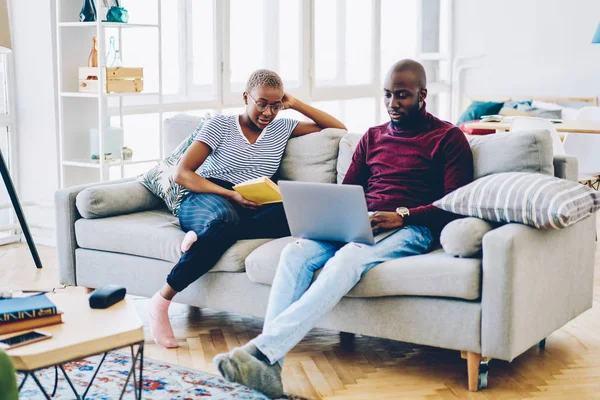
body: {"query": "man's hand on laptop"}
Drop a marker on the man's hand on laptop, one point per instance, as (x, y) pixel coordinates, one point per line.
(386, 220)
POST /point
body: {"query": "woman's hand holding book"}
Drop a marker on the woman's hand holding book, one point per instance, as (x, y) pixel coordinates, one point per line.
(238, 198)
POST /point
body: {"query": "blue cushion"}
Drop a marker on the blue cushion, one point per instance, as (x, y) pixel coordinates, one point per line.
(517, 104)
(479, 108)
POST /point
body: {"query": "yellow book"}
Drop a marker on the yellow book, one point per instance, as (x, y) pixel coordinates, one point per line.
(260, 190)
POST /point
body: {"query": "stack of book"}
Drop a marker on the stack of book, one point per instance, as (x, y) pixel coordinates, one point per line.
(23, 313)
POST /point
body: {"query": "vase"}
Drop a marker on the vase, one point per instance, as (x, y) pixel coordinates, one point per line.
(117, 14)
(111, 55)
(88, 11)
(93, 58)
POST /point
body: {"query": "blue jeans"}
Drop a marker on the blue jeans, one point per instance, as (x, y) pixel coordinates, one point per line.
(294, 307)
(219, 223)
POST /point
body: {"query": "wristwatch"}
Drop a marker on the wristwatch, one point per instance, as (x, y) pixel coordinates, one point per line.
(403, 212)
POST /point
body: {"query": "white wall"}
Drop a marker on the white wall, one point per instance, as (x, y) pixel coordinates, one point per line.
(533, 47)
(33, 49)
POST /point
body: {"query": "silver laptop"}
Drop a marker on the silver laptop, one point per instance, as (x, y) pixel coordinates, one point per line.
(326, 211)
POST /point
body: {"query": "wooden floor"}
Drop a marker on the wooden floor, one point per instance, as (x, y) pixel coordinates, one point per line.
(569, 368)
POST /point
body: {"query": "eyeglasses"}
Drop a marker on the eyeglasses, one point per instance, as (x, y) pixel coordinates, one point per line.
(261, 107)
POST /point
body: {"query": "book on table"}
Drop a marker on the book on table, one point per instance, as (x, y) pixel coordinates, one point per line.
(23, 308)
(260, 190)
(26, 324)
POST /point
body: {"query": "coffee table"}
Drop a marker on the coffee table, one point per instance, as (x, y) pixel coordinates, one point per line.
(84, 332)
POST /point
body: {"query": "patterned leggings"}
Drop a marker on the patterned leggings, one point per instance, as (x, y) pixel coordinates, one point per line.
(219, 223)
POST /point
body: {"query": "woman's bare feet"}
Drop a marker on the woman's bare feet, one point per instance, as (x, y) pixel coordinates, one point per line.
(189, 239)
(160, 326)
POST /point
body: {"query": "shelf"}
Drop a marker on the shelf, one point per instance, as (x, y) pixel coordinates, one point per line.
(105, 25)
(95, 95)
(132, 94)
(78, 94)
(96, 163)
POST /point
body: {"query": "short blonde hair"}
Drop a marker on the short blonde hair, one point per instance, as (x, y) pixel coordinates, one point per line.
(264, 77)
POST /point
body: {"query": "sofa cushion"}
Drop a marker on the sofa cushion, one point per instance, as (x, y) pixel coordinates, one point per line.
(160, 180)
(435, 274)
(477, 109)
(346, 151)
(312, 158)
(463, 237)
(152, 234)
(116, 199)
(537, 200)
(527, 151)
(178, 128)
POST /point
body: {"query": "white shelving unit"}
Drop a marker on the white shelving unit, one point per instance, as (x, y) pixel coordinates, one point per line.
(79, 112)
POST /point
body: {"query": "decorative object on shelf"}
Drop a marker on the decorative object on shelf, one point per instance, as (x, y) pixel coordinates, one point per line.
(126, 153)
(117, 63)
(93, 58)
(107, 157)
(111, 54)
(88, 11)
(116, 13)
(113, 141)
(596, 38)
(118, 80)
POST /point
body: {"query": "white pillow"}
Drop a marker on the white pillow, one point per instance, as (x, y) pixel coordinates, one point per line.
(462, 237)
(543, 105)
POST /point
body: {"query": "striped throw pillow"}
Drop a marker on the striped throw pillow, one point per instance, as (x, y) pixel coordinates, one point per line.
(537, 200)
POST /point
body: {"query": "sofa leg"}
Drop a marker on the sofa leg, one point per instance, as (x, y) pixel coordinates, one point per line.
(89, 290)
(477, 371)
(347, 341)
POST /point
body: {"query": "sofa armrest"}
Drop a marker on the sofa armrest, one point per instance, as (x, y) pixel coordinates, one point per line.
(66, 215)
(534, 282)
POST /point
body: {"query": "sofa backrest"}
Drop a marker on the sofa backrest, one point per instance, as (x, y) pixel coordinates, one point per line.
(176, 129)
(529, 151)
(326, 156)
(310, 158)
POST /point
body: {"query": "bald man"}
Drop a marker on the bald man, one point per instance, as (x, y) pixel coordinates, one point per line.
(403, 165)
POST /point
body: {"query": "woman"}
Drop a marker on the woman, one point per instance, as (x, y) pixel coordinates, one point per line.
(233, 149)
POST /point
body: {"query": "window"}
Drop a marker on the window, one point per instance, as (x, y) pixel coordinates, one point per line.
(3, 86)
(262, 34)
(6, 136)
(343, 42)
(330, 53)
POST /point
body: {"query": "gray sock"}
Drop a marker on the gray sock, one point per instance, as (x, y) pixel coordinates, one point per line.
(243, 367)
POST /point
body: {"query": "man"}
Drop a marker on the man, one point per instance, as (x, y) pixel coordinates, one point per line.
(403, 165)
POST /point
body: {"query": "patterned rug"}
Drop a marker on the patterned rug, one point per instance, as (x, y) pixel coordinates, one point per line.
(161, 381)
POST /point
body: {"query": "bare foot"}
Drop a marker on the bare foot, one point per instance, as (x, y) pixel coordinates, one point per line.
(189, 239)
(160, 326)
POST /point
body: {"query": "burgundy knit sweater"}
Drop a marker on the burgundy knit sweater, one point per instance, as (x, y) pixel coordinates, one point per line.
(412, 167)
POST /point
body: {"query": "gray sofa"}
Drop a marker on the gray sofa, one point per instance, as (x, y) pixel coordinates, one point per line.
(527, 284)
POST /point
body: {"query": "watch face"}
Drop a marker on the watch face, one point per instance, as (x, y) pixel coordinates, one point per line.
(403, 211)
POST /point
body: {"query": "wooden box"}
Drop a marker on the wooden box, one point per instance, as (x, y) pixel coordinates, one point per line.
(118, 79)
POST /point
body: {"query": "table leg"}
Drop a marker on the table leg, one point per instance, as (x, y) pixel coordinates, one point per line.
(141, 350)
(55, 381)
(23, 381)
(94, 376)
(40, 386)
(70, 383)
(131, 371)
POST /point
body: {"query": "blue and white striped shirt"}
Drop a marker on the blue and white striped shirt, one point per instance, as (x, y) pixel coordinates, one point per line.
(233, 158)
